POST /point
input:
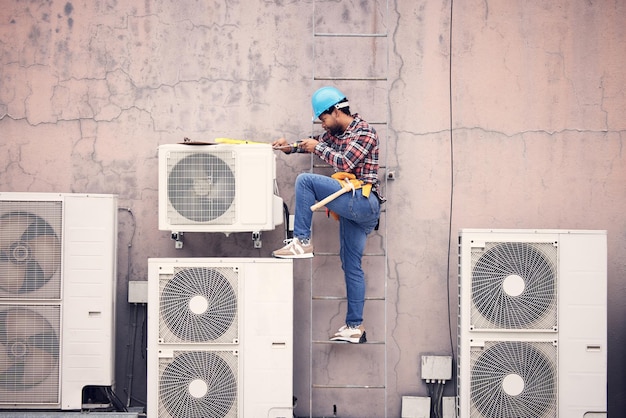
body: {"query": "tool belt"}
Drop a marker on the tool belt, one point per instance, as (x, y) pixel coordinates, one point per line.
(342, 177)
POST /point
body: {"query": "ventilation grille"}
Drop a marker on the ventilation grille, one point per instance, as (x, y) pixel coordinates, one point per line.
(201, 187)
(199, 305)
(30, 249)
(29, 354)
(514, 379)
(196, 384)
(514, 286)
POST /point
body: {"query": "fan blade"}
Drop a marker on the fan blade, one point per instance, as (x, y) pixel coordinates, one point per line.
(46, 251)
(12, 276)
(12, 227)
(23, 323)
(38, 366)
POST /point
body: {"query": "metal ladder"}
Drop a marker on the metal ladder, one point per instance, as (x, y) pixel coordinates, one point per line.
(366, 387)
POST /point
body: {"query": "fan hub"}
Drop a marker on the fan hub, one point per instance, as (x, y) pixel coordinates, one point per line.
(513, 384)
(513, 285)
(198, 388)
(202, 186)
(18, 349)
(19, 252)
(198, 304)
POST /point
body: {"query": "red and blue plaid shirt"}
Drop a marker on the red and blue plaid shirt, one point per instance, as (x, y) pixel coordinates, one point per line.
(355, 151)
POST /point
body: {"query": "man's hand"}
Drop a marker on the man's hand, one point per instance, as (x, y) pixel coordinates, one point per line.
(308, 144)
(282, 145)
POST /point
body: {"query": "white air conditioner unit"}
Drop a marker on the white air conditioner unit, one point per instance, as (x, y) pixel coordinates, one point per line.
(220, 338)
(532, 323)
(57, 286)
(218, 188)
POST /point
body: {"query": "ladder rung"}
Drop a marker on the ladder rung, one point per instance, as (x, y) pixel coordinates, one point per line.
(317, 253)
(344, 298)
(318, 78)
(344, 342)
(380, 166)
(350, 35)
(348, 386)
(376, 122)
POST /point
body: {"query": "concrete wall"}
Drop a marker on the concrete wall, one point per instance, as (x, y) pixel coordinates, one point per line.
(501, 115)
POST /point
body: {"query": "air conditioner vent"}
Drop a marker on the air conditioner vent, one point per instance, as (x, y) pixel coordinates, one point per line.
(30, 249)
(201, 187)
(514, 379)
(514, 286)
(199, 384)
(199, 305)
(29, 353)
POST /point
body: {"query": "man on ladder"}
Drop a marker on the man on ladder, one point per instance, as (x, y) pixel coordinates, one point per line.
(350, 146)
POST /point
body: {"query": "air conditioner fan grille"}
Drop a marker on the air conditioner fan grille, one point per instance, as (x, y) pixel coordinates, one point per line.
(514, 286)
(514, 379)
(201, 187)
(199, 305)
(30, 248)
(199, 384)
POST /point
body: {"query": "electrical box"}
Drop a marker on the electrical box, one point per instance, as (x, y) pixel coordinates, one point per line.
(436, 368)
(138, 291)
(415, 407)
(449, 407)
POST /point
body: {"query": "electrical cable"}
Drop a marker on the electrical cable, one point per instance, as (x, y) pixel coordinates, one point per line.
(130, 352)
(451, 186)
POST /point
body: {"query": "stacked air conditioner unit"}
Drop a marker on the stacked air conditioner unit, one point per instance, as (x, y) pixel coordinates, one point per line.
(532, 323)
(218, 188)
(220, 337)
(57, 281)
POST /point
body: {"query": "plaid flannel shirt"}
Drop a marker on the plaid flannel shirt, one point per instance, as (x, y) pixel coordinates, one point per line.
(355, 151)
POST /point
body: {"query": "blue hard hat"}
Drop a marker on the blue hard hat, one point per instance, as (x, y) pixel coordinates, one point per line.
(324, 98)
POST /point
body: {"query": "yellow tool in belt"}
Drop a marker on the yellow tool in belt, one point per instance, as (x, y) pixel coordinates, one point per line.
(348, 182)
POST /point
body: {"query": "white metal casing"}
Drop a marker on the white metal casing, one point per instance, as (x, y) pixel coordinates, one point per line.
(258, 340)
(218, 188)
(577, 344)
(77, 301)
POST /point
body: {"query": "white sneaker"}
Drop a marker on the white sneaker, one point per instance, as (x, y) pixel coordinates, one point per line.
(350, 334)
(295, 249)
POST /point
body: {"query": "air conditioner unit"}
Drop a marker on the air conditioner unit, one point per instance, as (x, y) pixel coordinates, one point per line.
(218, 188)
(532, 323)
(57, 287)
(220, 338)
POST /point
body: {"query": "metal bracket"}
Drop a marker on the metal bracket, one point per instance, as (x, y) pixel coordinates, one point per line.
(256, 238)
(178, 237)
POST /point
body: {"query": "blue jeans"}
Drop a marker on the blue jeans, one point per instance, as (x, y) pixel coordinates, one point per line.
(358, 216)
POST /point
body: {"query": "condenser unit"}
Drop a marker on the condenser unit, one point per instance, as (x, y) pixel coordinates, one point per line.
(532, 323)
(57, 280)
(218, 188)
(220, 338)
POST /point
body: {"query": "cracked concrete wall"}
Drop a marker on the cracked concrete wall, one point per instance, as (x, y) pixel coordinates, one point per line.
(533, 92)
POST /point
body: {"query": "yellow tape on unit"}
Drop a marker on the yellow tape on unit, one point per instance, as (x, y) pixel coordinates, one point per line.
(237, 141)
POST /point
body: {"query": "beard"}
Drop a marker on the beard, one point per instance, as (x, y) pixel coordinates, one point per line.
(335, 129)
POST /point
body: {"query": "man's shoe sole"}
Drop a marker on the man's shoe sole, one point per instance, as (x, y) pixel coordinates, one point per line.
(306, 255)
(362, 339)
